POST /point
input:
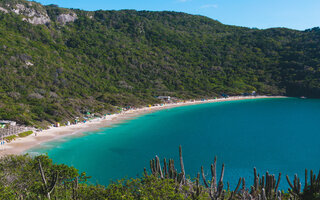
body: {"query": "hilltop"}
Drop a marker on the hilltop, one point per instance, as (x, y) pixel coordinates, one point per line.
(57, 63)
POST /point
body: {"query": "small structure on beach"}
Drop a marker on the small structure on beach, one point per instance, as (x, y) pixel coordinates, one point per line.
(253, 93)
(164, 98)
(225, 95)
(4, 123)
(8, 128)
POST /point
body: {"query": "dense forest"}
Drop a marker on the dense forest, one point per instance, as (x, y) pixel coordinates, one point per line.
(25, 177)
(66, 62)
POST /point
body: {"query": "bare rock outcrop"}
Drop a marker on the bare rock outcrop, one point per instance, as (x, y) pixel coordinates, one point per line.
(32, 15)
(67, 17)
(3, 10)
(35, 13)
(32, 12)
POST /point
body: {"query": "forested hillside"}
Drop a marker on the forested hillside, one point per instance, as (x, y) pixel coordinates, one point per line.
(56, 63)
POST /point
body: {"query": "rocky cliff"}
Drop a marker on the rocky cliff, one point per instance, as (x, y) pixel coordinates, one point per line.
(36, 13)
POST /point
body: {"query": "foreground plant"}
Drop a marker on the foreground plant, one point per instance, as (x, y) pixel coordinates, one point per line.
(24, 177)
(264, 187)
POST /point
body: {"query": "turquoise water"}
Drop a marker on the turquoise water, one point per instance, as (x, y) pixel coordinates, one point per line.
(275, 135)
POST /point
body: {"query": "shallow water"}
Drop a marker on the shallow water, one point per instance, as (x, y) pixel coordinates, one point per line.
(275, 135)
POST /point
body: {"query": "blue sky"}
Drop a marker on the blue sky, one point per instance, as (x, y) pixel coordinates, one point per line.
(295, 14)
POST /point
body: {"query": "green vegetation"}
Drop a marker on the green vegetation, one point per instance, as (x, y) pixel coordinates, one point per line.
(106, 59)
(23, 177)
(10, 138)
(13, 137)
(25, 134)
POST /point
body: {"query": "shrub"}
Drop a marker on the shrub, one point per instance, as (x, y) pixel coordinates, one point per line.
(10, 138)
(25, 134)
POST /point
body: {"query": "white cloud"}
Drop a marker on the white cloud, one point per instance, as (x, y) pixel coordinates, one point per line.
(209, 6)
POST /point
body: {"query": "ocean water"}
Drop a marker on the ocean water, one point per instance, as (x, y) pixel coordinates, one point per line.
(274, 135)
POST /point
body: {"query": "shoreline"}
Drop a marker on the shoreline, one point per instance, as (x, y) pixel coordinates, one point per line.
(20, 145)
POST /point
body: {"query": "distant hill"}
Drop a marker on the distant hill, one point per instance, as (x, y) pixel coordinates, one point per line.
(57, 63)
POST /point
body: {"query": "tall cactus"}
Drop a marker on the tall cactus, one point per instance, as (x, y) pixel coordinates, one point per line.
(215, 191)
(268, 183)
(204, 177)
(214, 173)
(295, 187)
(75, 188)
(182, 165)
(158, 167)
(47, 189)
(236, 190)
(264, 187)
(165, 170)
(310, 188)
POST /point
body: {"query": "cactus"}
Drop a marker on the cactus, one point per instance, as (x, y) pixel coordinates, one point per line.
(263, 195)
(182, 166)
(215, 191)
(309, 189)
(165, 170)
(168, 169)
(155, 167)
(204, 178)
(295, 187)
(235, 191)
(264, 187)
(196, 188)
(214, 171)
(145, 172)
(159, 170)
(152, 167)
(220, 185)
(256, 179)
(268, 183)
(198, 184)
(278, 197)
(75, 188)
(172, 171)
(47, 190)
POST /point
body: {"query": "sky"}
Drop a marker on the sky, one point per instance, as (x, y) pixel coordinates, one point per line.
(262, 14)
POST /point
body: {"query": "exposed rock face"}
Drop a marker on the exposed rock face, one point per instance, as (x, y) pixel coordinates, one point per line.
(38, 20)
(14, 95)
(35, 96)
(53, 95)
(33, 16)
(35, 13)
(3, 10)
(29, 63)
(65, 18)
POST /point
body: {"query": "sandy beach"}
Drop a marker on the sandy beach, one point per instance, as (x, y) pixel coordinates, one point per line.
(20, 145)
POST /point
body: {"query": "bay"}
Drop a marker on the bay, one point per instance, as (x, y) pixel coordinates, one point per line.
(275, 135)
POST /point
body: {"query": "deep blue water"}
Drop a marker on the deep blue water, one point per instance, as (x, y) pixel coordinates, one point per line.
(275, 135)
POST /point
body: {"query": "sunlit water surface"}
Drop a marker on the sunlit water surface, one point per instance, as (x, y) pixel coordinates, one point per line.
(275, 135)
